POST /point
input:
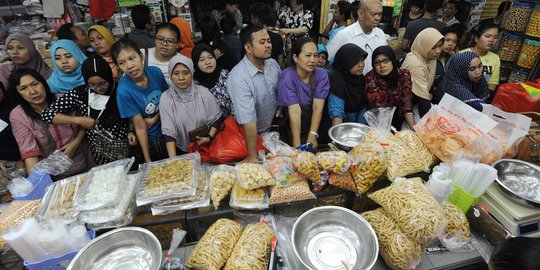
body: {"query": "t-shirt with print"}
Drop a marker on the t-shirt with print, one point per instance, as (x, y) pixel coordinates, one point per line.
(153, 62)
(492, 67)
(133, 99)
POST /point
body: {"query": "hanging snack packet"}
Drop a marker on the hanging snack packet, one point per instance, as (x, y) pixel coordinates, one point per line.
(306, 164)
(282, 169)
(369, 163)
(333, 161)
(222, 178)
(342, 181)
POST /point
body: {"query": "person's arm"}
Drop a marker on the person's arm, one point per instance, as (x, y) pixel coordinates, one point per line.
(336, 108)
(71, 147)
(141, 130)
(295, 114)
(409, 118)
(152, 120)
(406, 97)
(250, 132)
(171, 148)
(495, 75)
(57, 112)
(328, 28)
(406, 38)
(405, 45)
(316, 116)
(29, 164)
(295, 31)
(82, 121)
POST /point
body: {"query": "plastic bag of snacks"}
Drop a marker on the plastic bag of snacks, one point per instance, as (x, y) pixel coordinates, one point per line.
(248, 198)
(252, 176)
(282, 169)
(415, 210)
(294, 192)
(369, 163)
(333, 161)
(222, 179)
(510, 130)
(58, 201)
(398, 250)
(252, 249)
(306, 164)
(15, 213)
(343, 181)
(458, 232)
(216, 245)
(419, 149)
(451, 127)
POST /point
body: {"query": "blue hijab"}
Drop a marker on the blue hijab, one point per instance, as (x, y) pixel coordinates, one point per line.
(61, 82)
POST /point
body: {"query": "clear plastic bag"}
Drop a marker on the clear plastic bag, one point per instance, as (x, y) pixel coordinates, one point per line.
(415, 210)
(222, 179)
(58, 202)
(252, 249)
(115, 212)
(334, 161)
(297, 191)
(369, 163)
(282, 227)
(170, 262)
(216, 245)
(200, 199)
(14, 215)
(282, 169)
(398, 250)
(55, 164)
(276, 146)
(342, 181)
(103, 185)
(306, 164)
(248, 198)
(169, 178)
(458, 232)
(380, 120)
(418, 148)
(252, 176)
(130, 214)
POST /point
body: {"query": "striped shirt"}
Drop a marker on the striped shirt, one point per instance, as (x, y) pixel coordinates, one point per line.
(253, 92)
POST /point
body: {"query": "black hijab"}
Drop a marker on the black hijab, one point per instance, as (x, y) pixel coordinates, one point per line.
(95, 65)
(350, 88)
(392, 78)
(208, 80)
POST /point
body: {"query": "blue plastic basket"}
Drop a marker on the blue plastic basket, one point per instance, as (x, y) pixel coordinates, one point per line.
(56, 263)
(40, 180)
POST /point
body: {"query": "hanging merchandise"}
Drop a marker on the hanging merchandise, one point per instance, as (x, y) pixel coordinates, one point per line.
(102, 9)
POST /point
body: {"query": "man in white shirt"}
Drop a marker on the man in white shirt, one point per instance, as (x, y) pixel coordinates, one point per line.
(449, 13)
(364, 33)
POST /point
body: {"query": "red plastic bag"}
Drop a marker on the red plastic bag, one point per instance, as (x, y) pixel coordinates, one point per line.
(513, 97)
(102, 9)
(204, 151)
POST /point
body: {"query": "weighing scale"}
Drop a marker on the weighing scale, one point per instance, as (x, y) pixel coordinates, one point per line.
(517, 219)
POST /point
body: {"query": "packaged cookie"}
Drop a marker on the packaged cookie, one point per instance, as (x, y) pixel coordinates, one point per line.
(333, 161)
(58, 202)
(298, 191)
(306, 164)
(252, 176)
(282, 169)
(248, 198)
(342, 181)
(222, 179)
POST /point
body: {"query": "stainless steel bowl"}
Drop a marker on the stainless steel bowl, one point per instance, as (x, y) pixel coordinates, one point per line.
(328, 237)
(347, 135)
(520, 180)
(129, 248)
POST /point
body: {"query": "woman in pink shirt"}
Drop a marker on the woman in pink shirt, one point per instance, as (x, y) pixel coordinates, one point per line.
(36, 139)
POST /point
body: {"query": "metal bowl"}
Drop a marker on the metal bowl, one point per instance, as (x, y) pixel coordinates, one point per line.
(130, 248)
(348, 135)
(329, 237)
(520, 180)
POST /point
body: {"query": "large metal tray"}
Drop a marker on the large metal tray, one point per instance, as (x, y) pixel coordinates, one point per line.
(519, 178)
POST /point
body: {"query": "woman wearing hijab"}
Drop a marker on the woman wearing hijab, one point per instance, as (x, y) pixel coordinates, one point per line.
(209, 75)
(422, 64)
(185, 107)
(101, 40)
(96, 111)
(68, 59)
(464, 79)
(186, 44)
(23, 53)
(387, 85)
(347, 100)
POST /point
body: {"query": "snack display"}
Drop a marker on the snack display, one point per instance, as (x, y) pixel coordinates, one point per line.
(369, 163)
(200, 199)
(533, 29)
(458, 225)
(113, 212)
(294, 192)
(518, 16)
(222, 179)
(14, 214)
(518, 75)
(103, 185)
(248, 198)
(282, 169)
(343, 181)
(58, 201)
(333, 161)
(128, 217)
(252, 176)
(170, 178)
(509, 47)
(398, 250)
(415, 210)
(252, 249)
(418, 148)
(306, 164)
(216, 245)
(529, 53)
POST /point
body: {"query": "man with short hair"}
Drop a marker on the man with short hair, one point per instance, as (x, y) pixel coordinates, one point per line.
(231, 6)
(143, 20)
(365, 33)
(74, 33)
(342, 13)
(252, 87)
(428, 20)
(264, 14)
(449, 12)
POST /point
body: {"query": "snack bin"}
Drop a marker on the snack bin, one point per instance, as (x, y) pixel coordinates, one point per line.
(533, 29)
(518, 16)
(518, 76)
(510, 47)
(40, 181)
(56, 263)
(529, 53)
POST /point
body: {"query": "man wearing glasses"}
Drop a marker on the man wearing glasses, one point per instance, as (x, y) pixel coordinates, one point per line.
(364, 33)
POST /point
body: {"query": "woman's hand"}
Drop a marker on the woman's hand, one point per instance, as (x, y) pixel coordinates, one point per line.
(70, 148)
(86, 122)
(312, 139)
(132, 138)
(218, 53)
(203, 140)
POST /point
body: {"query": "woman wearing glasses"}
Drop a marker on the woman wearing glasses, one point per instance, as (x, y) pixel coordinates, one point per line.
(101, 40)
(167, 40)
(387, 85)
(96, 111)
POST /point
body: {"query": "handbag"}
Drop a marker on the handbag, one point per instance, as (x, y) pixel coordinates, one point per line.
(105, 150)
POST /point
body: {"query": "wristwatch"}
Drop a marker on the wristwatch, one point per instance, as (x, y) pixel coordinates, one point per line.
(315, 134)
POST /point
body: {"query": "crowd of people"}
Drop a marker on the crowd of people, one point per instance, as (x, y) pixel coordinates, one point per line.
(155, 95)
